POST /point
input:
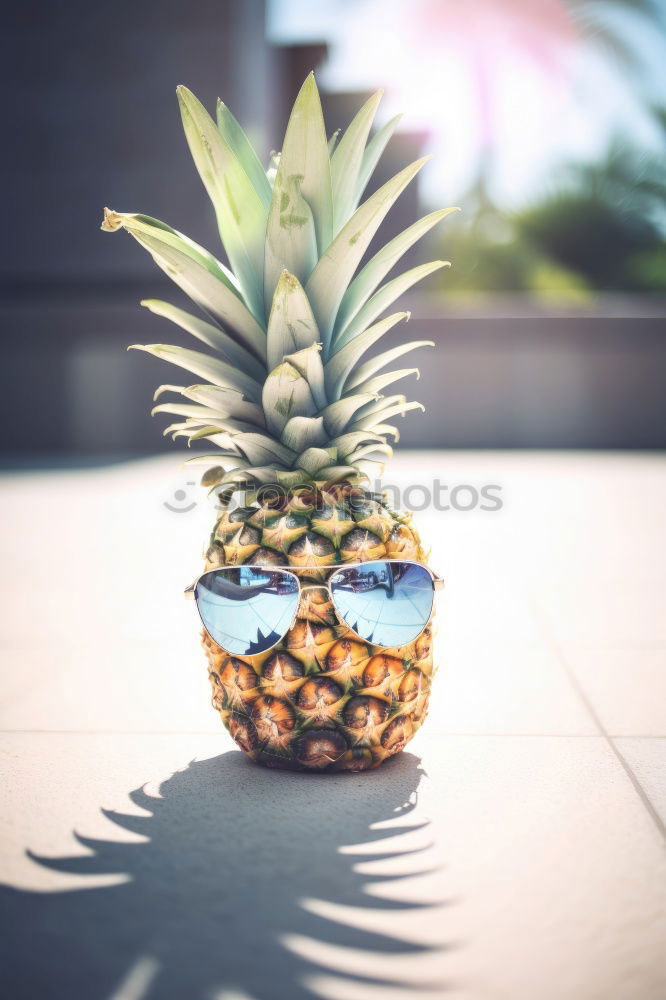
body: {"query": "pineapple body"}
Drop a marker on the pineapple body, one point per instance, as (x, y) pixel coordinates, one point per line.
(321, 699)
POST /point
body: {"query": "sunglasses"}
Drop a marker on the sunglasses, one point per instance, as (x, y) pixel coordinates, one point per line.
(249, 609)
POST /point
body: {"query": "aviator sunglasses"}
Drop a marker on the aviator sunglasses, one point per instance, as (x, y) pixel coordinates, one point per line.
(249, 609)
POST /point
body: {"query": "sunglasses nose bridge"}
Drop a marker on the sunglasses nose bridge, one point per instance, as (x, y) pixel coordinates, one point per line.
(315, 603)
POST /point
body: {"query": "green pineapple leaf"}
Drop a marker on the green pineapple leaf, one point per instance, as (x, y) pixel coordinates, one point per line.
(215, 460)
(308, 363)
(265, 475)
(237, 140)
(300, 220)
(347, 159)
(291, 240)
(372, 155)
(369, 277)
(210, 334)
(144, 225)
(260, 448)
(286, 394)
(363, 373)
(241, 215)
(339, 473)
(291, 325)
(305, 151)
(387, 430)
(228, 402)
(348, 443)
(213, 433)
(380, 382)
(333, 141)
(313, 460)
(333, 273)
(210, 291)
(374, 420)
(161, 389)
(219, 372)
(341, 364)
(370, 449)
(304, 432)
(202, 413)
(201, 416)
(385, 297)
(378, 403)
(337, 416)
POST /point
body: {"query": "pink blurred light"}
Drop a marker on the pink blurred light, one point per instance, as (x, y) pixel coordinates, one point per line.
(488, 35)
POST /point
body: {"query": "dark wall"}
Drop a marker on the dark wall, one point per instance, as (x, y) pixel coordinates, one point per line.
(90, 91)
(93, 120)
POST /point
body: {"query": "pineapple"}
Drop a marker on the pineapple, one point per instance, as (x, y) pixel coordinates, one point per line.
(296, 409)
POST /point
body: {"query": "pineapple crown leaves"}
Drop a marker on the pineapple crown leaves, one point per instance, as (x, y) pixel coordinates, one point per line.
(289, 392)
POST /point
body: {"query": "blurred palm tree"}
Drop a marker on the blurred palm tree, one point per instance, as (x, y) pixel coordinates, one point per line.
(606, 223)
(597, 21)
(546, 32)
(604, 227)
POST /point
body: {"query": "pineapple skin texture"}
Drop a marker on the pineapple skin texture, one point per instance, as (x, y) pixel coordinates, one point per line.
(321, 700)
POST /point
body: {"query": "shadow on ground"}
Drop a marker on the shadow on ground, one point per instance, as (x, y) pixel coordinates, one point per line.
(232, 851)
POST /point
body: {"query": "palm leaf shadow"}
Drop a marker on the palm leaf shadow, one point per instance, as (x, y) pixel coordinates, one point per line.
(232, 851)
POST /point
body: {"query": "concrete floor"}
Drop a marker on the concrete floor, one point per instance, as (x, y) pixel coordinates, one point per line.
(515, 853)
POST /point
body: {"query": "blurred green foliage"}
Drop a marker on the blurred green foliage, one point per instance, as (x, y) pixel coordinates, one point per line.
(603, 228)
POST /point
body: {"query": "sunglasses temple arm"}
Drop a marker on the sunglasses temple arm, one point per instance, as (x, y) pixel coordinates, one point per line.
(189, 592)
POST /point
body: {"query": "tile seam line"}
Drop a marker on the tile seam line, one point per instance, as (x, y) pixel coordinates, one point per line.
(206, 732)
(109, 732)
(544, 626)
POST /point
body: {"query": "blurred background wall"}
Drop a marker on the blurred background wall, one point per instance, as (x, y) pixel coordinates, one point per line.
(547, 124)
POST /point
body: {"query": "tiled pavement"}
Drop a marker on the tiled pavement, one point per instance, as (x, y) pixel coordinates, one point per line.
(528, 817)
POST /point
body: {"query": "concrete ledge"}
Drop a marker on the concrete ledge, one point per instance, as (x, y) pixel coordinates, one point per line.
(508, 374)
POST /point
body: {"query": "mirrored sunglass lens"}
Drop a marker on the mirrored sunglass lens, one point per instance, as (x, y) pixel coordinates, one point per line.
(247, 609)
(386, 603)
